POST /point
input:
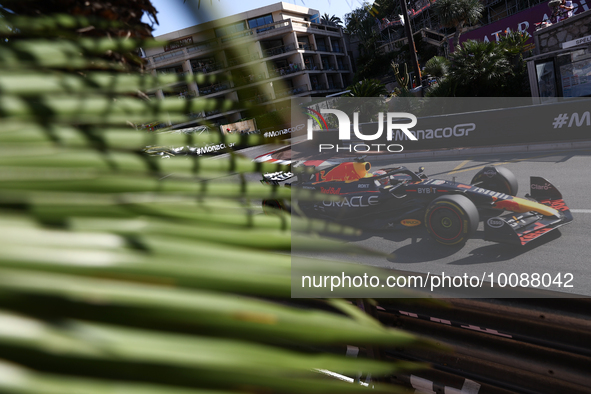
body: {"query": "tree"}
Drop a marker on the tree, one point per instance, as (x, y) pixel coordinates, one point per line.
(437, 67)
(457, 13)
(94, 18)
(479, 68)
(386, 8)
(367, 88)
(402, 78)
(331, 20)
(487, 69)
(516, 50)
(366, 98)
(361, 24)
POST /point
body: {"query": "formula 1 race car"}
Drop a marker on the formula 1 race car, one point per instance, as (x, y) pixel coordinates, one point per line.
(397, 198)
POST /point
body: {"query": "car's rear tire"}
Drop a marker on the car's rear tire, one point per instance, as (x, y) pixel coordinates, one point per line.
(451, 220)
(498, 179)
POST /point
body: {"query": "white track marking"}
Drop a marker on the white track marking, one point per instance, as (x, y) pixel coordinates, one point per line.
(421, 385)
(340, 377)
(425, 386)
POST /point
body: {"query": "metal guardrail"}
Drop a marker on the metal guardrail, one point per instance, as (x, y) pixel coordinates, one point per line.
(207, 68)
(281, 71)
(500, 346)
(311, 66)
(213, 88)
(279, 50)
(335, 86)
(487, 346)
(319, 86)
(292, 91)
(168, 56)
(258, 99)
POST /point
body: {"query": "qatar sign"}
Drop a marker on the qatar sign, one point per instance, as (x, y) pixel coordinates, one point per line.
(523, 21)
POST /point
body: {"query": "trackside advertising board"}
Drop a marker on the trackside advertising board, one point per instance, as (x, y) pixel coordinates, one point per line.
(523, 21)
(517, 122)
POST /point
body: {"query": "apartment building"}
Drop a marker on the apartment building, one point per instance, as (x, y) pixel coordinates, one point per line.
(262, 57)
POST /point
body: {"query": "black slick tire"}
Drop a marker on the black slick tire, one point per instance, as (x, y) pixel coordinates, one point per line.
(451, 220)
(498, 179)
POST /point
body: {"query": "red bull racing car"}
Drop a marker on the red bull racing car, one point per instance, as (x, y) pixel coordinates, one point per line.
(398, 198)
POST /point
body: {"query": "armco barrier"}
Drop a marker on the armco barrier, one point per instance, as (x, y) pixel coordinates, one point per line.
(499, 345)
(487, 346)
(219, 145)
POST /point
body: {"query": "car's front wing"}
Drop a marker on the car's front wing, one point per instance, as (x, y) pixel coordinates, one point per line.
(521, 228)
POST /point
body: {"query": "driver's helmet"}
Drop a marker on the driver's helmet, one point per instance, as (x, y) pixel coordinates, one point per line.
(382, 181)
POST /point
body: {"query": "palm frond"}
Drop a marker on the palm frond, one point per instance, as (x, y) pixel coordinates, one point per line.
(122, 270)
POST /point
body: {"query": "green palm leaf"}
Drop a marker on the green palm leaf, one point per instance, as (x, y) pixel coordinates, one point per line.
(125, 271)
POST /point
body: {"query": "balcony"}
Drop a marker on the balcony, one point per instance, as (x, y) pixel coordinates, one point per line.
(292, 91)
(333, 86)
(271, 26)
(167, 56)
(320, 29)
(196, 115)
(211, 113)
(218, 87)
(301, 24)
(311, 66)
(257, 30)
(249, 79)
(319, 86)
(207, 68)
(202, 46)
(180, 95)
(243, 59)
(328, 67)
(173, 72)
(292, 68)
(328, 29)
(258, 99)
(278, 50)
(245, 33)
(261, 30)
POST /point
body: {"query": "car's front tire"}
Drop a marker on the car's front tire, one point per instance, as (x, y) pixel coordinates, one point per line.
(451, 220)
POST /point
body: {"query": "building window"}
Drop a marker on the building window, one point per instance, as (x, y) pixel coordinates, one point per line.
(230, 29)
(546, 79)
(260, 21)
(304, 43)
(575, 73)
(336, 47)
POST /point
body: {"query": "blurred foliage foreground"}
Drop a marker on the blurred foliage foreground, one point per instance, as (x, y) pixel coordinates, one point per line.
(122, 272)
